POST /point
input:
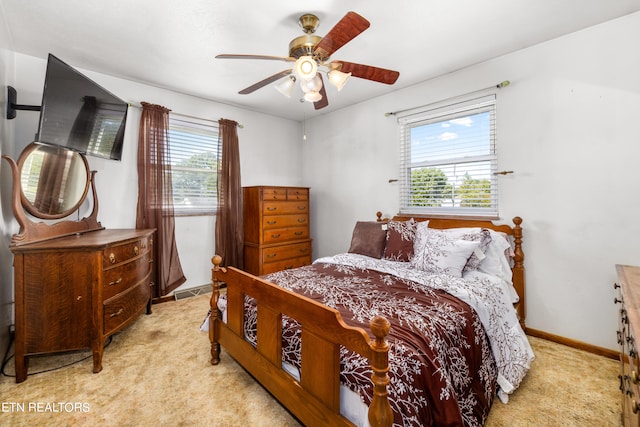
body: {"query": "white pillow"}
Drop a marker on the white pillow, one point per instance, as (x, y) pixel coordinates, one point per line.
(476, 234)
(440, 251)
(496, 262)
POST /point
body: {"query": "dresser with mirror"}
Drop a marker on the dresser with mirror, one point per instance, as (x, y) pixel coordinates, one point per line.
(76, 283)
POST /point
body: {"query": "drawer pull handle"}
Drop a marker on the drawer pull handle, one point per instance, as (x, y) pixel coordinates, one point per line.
(117, 313)
(298, 233)
(302, 220)
(304, 250)
(302, 208)
(272, 255)
(634, 406)
(621, 382)
(271, 222)
(115, 282)
(617, 301)
(616, 286)
(136, 251)
(275, 235)
(634, 377)
(112, 258)
(272, 208)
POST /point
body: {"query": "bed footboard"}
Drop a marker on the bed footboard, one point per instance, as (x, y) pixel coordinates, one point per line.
(315, 398)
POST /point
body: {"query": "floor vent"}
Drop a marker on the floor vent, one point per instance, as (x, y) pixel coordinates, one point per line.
(192, 292)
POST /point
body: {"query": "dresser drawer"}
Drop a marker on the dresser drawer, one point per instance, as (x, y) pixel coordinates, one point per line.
(285, 234)
(297, 194)
(282, 221)
(124, 307)
(285, 208)
(117, 254)
(273, 193)
(123, 276)
(286, 264)
(282, 252)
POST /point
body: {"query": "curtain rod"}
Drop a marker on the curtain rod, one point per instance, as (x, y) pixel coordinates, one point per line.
(500, 85)
(184, 115)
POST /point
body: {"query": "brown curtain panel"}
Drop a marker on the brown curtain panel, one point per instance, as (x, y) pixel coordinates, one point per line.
(229, 228)
(53, 174)
(155, 197)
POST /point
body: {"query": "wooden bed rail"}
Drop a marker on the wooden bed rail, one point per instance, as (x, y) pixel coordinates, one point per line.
(315, 398)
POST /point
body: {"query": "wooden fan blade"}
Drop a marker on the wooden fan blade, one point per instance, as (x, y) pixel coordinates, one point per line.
(265, 82)
(267, 57)
(344, 31)
(324, 101)
(368, 72)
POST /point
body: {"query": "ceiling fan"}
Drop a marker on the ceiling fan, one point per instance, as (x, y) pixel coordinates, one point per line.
(310, 56)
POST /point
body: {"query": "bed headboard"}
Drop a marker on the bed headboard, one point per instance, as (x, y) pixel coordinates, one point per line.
(515, 232)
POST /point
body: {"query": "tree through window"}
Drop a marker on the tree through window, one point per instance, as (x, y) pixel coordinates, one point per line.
(449, 160)
(194, 165)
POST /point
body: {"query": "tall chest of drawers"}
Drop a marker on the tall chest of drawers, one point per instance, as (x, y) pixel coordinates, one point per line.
(628, 333)
(73, 292)
(276, 228)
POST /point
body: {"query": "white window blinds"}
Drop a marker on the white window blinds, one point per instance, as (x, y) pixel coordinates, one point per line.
(194, 165)
(448, 159)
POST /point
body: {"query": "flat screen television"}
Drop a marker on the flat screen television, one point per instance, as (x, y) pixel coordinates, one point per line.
(79, 114)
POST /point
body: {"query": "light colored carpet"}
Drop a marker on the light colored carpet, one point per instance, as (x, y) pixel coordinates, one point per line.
(157, 372)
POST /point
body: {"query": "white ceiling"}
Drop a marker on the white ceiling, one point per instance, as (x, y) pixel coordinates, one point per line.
(172, 43)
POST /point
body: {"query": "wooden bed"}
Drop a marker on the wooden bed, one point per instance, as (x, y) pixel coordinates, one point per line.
(315, 398)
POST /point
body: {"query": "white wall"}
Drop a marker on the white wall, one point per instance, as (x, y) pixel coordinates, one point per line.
(6, 135)
(568, 128)
(269, 154)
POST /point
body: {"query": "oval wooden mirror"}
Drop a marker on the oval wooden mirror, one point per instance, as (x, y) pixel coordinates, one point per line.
(54, 180)
(51, 183)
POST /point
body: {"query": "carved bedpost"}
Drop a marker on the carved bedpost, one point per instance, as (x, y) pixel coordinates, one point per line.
(518, 269)
(16, 202)
(380, 412)
(379, 217)
(216, 316)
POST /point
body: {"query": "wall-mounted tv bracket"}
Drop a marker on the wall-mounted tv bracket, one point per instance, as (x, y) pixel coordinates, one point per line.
(12, 107)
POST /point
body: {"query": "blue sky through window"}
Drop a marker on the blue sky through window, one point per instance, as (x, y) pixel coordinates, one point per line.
(468, 135)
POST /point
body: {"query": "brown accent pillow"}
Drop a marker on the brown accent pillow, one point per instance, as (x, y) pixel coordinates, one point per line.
(400, 236)
(368, 239)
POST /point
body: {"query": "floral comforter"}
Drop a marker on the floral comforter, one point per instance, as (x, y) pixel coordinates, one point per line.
(454, 342)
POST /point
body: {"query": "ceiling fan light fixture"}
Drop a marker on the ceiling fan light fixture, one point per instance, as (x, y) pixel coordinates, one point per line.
(286, 86)
(338, 78)
(306, 67)
(312, 96)
(311, 85)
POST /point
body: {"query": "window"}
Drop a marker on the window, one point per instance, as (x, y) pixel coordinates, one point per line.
(448, 160)
(194, 165)
(104, 134)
